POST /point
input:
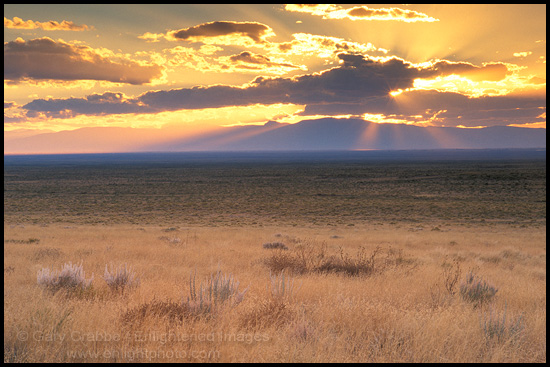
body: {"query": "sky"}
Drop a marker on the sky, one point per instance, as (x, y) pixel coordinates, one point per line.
(184, 70)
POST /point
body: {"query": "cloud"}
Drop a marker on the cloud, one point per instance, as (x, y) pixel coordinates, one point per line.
(489, 71)
(52, 25)
(152, 37)
(360, 85)
(436, 108)
(349, 83)
(44, 58)
(96, 104)
(221, 32)
(315, 9)
(330, 11)
(322, 46)
(458, 109)
(254, 62)
(346, 83)
(205, 59)
(522, 54)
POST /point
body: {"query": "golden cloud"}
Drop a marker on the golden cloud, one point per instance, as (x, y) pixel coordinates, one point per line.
(322, 46)
(52, 25)
(330, 11)
(522, 54)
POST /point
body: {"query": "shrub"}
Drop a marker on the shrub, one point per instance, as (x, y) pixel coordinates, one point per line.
(275, 245)
(361, 264)
(121, 278)
(497, 328)
(218, 291)
(451, 274)
(307, 257)
(280, 261)
(310, 255)
(476, 290)
(71, 277)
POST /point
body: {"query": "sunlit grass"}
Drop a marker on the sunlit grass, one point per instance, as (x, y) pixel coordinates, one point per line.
(407, 307)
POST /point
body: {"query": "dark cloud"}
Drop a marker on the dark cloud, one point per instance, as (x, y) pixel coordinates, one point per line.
(253, 30)
(44, 58)
(95, 104)
(451, 109)
(488, 72)
(352, 82)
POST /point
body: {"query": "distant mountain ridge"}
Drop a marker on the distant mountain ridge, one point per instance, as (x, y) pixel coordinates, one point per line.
(349, 134)
(307, 135)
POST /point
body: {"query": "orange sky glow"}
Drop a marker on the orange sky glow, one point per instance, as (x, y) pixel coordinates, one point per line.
(184, 70)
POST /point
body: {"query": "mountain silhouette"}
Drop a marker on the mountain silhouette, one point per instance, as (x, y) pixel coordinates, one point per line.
(307, 135)
(348, 134)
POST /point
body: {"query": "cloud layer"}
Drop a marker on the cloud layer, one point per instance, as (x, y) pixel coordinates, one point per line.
(360, 85)
(44, 58)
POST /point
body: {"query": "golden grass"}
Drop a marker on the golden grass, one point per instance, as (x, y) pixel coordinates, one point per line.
(405, 313)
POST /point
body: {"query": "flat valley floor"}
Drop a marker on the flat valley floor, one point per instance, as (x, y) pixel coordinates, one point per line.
(348, 259)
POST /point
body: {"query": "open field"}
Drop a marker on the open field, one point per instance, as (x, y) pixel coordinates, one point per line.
(290, 189)
(376, 266)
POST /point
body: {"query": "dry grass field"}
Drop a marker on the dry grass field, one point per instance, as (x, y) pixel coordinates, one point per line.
(390, 289)
(402, 312)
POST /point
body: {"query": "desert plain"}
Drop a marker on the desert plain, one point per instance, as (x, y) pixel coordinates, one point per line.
(325, 258)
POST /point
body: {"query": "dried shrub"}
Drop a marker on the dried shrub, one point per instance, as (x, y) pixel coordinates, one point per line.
(361, 264)
(451, 275)
(269, 312)
(171, 311)
(307, 257)
(280, 261)
(311, 255)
